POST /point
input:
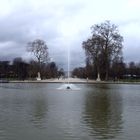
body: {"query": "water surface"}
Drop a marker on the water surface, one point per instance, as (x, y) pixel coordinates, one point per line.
(42, 112)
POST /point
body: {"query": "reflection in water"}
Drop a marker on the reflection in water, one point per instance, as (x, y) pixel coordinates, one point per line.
(103, 111)
(21, 86)
(38, 112)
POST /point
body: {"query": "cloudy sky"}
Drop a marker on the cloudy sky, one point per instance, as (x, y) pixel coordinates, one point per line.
(63, 24)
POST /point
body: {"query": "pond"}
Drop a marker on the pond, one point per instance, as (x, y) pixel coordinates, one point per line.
(33, 111)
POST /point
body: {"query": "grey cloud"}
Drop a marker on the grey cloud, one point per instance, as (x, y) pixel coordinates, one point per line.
(10, 50)
(22, 27)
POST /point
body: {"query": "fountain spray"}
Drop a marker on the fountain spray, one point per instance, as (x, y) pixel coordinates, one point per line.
(68, 69)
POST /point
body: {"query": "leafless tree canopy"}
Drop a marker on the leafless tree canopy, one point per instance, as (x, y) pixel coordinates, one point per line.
(39, 49)
(104, 45)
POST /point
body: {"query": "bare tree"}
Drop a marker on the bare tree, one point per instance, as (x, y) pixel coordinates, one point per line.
(104, 45)
(39, 49)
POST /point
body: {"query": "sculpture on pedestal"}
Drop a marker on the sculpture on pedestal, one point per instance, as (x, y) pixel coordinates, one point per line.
(98, 78)
(38, 76)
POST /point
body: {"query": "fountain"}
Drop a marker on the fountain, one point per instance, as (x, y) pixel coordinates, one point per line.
(68, 85)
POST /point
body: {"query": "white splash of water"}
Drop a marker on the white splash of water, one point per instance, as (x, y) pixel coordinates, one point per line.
(68, 87)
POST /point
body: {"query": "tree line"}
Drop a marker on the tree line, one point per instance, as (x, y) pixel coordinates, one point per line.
(104, 57)
(18, 69)
(117, 71)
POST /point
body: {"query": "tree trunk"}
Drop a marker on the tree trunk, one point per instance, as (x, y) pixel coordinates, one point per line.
(106, 68)
(106, 74)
